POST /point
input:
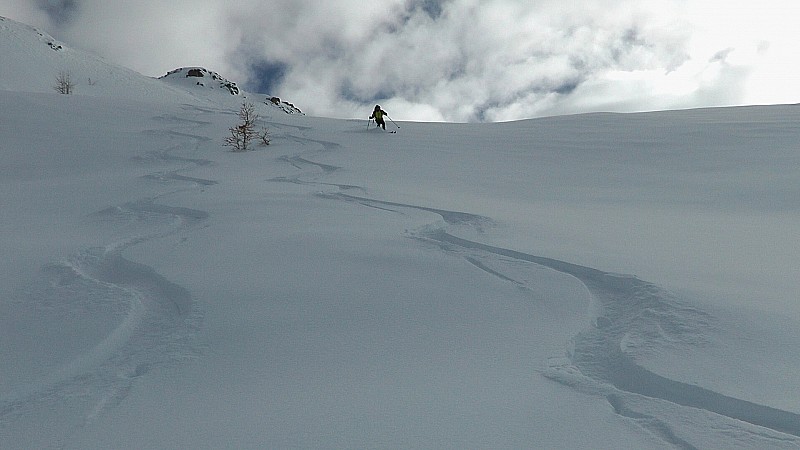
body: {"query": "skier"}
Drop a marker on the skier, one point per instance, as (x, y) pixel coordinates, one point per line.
(378, 114)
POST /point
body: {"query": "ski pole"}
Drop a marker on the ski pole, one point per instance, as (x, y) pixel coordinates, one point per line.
(395, 124)
(369, 122)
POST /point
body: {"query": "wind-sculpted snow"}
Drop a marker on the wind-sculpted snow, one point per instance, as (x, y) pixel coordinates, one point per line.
(629, 318)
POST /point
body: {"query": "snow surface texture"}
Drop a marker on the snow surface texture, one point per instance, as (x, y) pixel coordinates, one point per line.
(448, 286)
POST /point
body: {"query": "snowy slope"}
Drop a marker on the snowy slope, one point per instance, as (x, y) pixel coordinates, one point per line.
(448, 286)
(32, 60)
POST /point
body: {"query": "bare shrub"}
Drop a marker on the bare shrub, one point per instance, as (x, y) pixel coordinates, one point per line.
(264, 136)
(243, 133)
(64, 84)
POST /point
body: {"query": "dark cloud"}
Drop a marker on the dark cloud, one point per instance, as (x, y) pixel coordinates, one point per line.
(60, 12)
(566, 87)
(432, 8)
(266, 77)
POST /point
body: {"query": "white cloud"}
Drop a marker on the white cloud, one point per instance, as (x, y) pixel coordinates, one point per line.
(461, 60)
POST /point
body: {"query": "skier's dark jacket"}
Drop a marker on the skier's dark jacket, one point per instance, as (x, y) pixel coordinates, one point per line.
(377, 114)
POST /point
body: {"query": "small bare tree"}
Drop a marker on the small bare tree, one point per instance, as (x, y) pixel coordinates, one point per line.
(264, 136)
(243, 133)
(64, 84)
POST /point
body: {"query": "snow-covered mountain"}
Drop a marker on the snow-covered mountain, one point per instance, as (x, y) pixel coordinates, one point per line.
(447, 286)
(32, 60)
(199, 77)
(204, 80)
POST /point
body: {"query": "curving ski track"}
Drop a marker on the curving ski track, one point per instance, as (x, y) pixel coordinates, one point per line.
(624, 306)
(156, 318)
(629, 315)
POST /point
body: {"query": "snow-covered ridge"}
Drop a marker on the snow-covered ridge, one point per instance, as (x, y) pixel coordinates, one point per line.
(284, 106)
(32, 59)
(191, 77)
(200, 78)
(8, 26)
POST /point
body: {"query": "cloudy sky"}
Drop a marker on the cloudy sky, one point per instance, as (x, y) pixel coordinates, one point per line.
(452, 60)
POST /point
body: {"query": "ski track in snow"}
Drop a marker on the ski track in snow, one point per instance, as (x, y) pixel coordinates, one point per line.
(629, 316)
(158, 321)
(301, 163)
